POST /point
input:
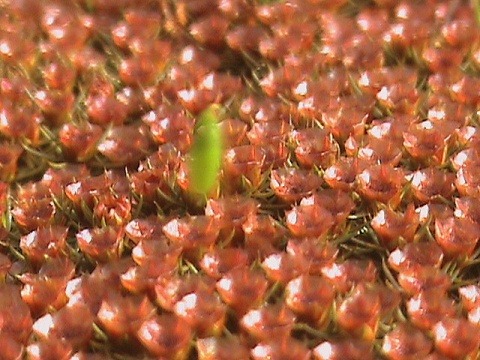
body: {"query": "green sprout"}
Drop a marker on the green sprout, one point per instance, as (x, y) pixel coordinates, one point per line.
(206, 152)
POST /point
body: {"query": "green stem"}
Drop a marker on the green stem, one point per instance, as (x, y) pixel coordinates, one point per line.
(476, 8)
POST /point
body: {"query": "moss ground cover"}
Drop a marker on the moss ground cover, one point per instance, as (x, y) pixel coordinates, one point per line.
(239, 179)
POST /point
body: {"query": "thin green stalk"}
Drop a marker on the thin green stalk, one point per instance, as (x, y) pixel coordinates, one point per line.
(476, 8)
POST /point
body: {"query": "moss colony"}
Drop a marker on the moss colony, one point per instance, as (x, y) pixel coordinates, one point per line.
(344, 219)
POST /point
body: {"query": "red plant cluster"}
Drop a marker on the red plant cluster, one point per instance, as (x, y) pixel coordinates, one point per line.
(346, 220)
